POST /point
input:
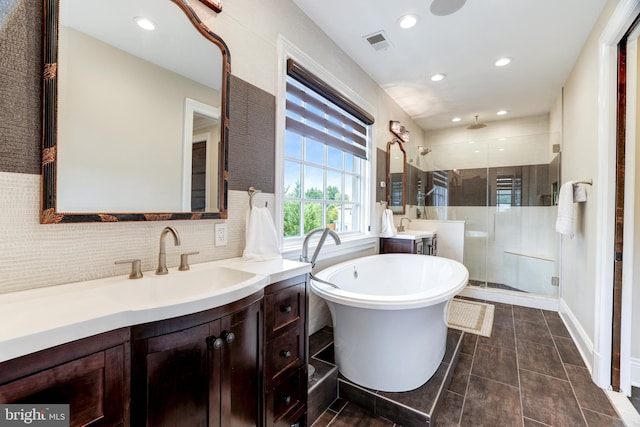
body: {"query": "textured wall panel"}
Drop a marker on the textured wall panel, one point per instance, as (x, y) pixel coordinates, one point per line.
(20, 70)
(33, 255)
(251, 137)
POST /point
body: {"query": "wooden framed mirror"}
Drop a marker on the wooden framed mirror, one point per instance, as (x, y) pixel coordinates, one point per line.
(396, 176)
(122, 106)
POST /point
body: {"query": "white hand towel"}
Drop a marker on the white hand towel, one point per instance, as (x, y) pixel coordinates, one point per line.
(387, 228)
(564, 222)
(261, 237)
(579, 193)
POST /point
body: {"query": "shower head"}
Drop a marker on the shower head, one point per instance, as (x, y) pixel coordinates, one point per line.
(477, 125)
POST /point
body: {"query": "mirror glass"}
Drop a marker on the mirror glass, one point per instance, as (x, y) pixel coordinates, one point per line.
(396, 176)
(141, 113)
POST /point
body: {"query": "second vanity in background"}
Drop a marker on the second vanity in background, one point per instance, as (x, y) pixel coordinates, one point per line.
(450, 237)
(410, 242)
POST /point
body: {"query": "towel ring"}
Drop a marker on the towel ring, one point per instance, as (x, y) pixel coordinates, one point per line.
(252, 192)
(585, 181)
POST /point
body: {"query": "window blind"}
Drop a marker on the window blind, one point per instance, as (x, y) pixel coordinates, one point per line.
(314, 114)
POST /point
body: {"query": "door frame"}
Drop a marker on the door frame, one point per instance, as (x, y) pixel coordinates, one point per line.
(618, 25)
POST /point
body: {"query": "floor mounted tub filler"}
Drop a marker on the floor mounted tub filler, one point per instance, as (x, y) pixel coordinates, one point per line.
(389, 315)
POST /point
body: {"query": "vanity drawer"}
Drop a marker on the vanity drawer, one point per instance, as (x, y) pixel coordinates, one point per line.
(283, 353)
(284, 308)
(286, 399)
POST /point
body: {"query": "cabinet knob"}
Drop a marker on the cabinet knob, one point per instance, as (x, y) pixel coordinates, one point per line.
(285, 353)
(287, 400)
(285, 309)
(214, 342)
(228, 336)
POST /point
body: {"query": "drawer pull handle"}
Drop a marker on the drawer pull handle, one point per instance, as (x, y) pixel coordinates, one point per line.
(287, 400)
(285, 353)
(228, 336)
(214, 342)
(285, 308)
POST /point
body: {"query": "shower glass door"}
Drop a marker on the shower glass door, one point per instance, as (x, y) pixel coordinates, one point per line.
(505, 189)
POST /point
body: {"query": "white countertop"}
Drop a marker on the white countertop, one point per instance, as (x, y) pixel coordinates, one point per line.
(413, 234)
(41, 318)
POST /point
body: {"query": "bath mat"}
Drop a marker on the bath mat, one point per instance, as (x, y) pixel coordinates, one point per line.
(471, 316)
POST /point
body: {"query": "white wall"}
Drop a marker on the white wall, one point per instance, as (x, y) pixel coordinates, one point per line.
(579, 161)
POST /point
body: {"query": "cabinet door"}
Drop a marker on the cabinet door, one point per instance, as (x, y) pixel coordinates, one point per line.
(93, 386)
(390, 245)
(241, 389)
(174, 380)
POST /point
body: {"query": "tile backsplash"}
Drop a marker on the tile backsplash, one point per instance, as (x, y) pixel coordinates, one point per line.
(36, 255)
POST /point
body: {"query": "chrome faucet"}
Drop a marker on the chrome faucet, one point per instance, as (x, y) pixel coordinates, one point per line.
(401, 227)
(305, 245)
(162, 256)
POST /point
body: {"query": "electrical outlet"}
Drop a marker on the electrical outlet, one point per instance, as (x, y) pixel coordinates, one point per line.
(220, 230)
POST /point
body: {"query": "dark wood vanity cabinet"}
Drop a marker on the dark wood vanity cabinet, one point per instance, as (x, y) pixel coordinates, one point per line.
(199, 370)
(91, 375)
(242, 364)
(286, 352)
(390, 245)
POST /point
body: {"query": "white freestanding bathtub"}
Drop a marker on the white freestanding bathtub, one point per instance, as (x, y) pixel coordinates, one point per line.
(388, 316)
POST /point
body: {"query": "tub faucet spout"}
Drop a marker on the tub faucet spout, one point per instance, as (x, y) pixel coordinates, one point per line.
(162, 255)
(305, 245)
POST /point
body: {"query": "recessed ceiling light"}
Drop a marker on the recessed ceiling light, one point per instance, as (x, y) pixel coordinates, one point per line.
(501, 149)
(476, 151)
(438, 77)
(502, 62)
(456, 119)
(472, 142)
(502, 112)
(144, 23)
(408, 21)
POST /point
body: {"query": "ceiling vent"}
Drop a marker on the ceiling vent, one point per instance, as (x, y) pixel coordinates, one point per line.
(379, 40)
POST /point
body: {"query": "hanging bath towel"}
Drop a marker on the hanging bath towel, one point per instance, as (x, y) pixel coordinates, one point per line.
(387, 229)
(564, 223)
(261, 237)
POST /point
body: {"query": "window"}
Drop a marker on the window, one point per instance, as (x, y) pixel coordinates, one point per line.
(325, 157)
(440, 188)
(508, 191)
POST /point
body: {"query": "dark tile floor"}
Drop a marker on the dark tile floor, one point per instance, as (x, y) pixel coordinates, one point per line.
(529, 373)
(635, 398)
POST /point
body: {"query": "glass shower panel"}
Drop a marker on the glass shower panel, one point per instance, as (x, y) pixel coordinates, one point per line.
(457, 190)
(505, 189)
(522, 246)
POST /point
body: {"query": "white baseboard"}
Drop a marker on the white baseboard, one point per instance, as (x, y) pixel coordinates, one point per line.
(579, 335)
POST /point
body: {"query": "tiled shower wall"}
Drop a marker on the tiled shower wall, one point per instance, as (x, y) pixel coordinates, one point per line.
(34, 255)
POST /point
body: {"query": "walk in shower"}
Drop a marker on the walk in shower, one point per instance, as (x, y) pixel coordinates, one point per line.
(505, 189)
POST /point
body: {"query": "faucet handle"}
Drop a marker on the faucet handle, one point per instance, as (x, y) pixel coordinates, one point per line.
(136, 267)
(184, 260)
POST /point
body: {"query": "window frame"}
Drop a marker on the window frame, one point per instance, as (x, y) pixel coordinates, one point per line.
(353, 239)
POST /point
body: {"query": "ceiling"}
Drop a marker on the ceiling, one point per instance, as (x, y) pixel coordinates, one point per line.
(543, 38)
